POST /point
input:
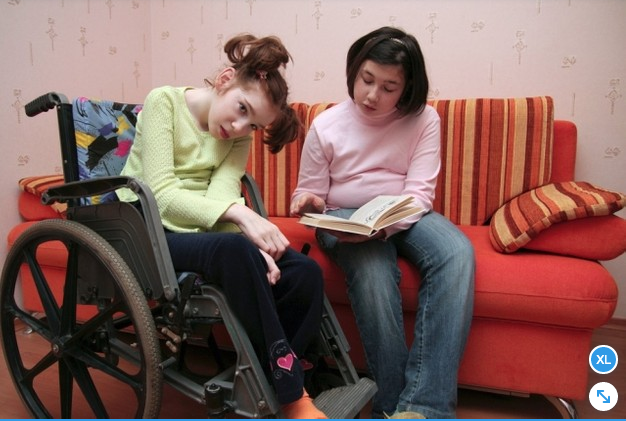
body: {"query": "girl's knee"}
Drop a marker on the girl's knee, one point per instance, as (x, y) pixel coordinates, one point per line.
(312, 272)
(466, 248)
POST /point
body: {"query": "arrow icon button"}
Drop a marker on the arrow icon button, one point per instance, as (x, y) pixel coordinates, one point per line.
(600, 396)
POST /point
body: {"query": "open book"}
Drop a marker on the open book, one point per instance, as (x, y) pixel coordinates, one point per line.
(373, 216)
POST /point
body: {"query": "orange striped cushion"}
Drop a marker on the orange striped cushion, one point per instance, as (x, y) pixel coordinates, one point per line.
(524, 217)
(492, 150)
(37, 185)
(277, 174)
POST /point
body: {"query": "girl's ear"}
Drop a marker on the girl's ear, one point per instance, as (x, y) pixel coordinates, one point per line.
(225, 78)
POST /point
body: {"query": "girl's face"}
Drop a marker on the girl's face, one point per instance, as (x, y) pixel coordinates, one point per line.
(237, 111)
(378, 87)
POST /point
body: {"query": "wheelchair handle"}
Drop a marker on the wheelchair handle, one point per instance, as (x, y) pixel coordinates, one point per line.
(44, 103)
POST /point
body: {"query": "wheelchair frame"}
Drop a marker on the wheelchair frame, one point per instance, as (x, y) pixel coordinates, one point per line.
(144, 315)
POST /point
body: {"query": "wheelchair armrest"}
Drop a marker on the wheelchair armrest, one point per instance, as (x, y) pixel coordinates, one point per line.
(84, 188)
(97, 186)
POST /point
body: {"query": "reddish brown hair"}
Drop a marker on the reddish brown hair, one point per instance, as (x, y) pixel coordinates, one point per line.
(259, 60)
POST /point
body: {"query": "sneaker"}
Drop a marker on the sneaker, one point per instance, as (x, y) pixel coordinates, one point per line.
(408, 415)
(303, 408)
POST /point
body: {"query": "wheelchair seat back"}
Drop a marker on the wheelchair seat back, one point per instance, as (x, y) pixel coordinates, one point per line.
(104, 133)
(96, 140)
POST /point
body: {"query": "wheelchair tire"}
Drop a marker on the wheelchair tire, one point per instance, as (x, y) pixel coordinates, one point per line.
(104, 363)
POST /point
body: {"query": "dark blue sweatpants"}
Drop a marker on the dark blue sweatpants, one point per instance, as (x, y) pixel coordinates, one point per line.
(281, 320)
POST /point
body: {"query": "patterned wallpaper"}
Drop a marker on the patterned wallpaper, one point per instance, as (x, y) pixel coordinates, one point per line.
(573, 50)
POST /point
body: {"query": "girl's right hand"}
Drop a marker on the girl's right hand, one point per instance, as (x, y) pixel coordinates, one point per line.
(264, 234)
(307, 203)
(273, 273)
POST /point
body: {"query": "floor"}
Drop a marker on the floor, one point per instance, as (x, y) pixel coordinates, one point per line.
(472, 404)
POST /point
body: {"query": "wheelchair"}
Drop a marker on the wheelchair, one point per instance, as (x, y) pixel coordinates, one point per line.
(124, 322)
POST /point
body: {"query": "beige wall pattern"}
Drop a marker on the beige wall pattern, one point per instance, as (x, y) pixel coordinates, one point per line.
(572, 50)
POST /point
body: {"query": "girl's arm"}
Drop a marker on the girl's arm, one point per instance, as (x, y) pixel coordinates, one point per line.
(313, 177)
(177, 203)
(424, 167)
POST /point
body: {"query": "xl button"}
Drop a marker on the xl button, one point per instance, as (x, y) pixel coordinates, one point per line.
(603, 359)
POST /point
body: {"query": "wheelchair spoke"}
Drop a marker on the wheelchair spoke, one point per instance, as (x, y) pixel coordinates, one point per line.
(41, 366)
(102, 318)
(93, 360)
(85, 382)
(36, 325)
(68, 316)
(65, 390)
(51, 309)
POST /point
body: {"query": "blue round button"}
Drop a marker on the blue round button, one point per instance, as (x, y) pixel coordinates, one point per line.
(603, 359)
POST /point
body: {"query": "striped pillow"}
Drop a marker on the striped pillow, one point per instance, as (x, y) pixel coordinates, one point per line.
(492, 150)
(524, 217)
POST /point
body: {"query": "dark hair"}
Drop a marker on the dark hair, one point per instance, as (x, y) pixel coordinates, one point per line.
(389, 45)
(258, 60)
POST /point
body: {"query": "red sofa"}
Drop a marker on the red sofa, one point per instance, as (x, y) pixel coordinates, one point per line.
(535, 308)
(540, 290)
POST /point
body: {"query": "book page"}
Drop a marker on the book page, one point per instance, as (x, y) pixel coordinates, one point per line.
(335, 223)
(398, 215)
(379, 208)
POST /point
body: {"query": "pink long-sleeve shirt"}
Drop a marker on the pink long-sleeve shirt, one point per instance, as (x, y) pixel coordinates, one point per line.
(349, 158)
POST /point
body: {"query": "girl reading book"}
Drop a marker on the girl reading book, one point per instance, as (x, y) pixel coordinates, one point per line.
(385, 140)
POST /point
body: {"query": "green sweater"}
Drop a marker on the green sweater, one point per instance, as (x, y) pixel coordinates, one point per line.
(195, 178)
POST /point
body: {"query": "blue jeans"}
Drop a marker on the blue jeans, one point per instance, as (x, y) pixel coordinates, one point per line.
(422, 378)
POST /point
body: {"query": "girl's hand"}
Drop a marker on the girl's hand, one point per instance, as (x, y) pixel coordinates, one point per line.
(264, 234)
(273, 273)
(346, 237)
(307, 202)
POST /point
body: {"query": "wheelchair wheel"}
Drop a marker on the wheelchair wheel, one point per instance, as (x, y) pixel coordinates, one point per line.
(85, 346)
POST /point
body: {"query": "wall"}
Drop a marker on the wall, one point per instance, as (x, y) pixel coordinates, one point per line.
(572, 50)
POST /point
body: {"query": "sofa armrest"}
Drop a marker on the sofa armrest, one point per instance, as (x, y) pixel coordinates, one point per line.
(29, 201)
(598, 238)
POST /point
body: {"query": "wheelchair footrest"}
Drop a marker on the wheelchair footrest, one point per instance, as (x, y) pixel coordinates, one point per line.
(346, 401)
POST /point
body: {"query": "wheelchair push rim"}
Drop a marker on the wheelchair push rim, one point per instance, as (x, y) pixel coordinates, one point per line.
(64, 366)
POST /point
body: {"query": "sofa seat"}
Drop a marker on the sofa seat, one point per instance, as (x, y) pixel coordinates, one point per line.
(536, 291)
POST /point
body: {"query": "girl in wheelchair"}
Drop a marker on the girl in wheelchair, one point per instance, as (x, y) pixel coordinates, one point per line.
(191, 149)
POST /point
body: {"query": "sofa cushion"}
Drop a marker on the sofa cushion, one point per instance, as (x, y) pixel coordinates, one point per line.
(491, 151)
(543, 288)
(537, 291)
(525, 216)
